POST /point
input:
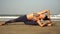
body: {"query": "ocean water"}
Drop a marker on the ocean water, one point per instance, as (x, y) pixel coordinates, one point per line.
(6, 18)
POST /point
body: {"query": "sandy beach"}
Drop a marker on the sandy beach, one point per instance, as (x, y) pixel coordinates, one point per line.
(21, 28)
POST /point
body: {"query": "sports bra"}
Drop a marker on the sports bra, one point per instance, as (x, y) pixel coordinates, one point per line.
(35, 15)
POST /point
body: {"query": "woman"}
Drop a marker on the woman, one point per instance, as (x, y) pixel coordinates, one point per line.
(34, 19)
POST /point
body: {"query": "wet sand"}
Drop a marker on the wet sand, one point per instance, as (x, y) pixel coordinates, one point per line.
(20, 28)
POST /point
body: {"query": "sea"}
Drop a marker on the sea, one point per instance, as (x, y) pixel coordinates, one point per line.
(10, 17)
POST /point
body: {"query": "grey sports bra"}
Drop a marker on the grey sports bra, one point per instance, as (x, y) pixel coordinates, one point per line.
(35, 15)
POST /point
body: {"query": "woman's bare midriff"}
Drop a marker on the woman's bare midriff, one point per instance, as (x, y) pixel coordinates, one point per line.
(29, 16)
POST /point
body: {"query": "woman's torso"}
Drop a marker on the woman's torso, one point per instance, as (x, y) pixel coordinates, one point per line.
(31, 17)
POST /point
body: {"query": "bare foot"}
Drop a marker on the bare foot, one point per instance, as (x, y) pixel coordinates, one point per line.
(2, 24)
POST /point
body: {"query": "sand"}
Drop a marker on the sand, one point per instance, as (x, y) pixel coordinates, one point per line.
(20, 28)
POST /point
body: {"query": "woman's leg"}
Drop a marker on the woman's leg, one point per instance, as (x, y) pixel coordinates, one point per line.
(19, 19)
(31, 22)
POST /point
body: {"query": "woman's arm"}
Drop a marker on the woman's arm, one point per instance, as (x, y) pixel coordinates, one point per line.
(48, 12)
(41, 24)
(45, 11)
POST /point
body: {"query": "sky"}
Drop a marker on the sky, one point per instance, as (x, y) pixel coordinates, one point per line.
(18, 7)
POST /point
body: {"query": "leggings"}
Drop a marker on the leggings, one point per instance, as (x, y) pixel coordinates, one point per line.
(22, 19)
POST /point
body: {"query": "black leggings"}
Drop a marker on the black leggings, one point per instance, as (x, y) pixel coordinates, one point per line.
(22, 19)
